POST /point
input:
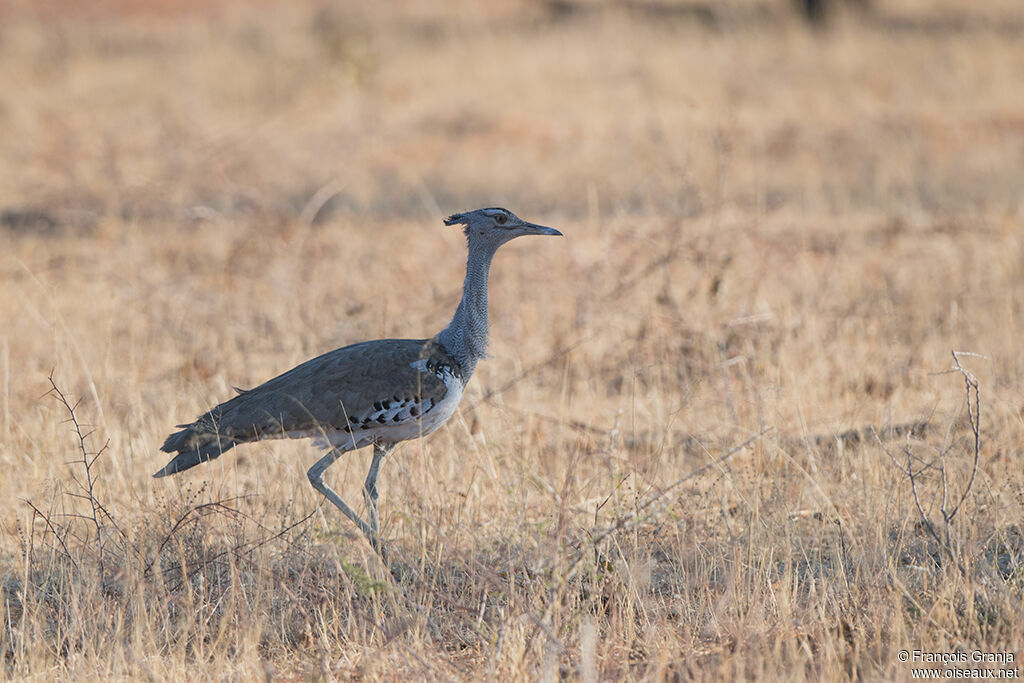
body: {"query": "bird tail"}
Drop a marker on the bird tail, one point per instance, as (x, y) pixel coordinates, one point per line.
(192, 448)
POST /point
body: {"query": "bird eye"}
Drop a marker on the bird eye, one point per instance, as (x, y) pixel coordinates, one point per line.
(501, 218)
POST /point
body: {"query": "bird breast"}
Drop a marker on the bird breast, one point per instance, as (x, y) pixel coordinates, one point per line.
(435, 412)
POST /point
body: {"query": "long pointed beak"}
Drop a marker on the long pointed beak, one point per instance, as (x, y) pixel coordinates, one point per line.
(534, 229)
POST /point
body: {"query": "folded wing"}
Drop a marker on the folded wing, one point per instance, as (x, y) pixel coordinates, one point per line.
(340, 391)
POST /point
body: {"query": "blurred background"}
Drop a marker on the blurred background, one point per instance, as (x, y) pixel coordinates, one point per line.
(158, 111)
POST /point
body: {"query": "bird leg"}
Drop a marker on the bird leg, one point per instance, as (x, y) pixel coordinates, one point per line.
(370, 487)
(316, 478)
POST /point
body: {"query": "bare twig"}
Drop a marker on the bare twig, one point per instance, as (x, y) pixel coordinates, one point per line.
(925, 519)
(53, 530)
(974, 417)
(622, 522)
(87, 461)
(946, 540)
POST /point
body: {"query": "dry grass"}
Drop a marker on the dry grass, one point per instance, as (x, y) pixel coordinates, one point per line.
(774, 236)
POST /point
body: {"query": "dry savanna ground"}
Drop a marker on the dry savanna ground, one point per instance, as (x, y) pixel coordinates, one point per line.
(722, 433)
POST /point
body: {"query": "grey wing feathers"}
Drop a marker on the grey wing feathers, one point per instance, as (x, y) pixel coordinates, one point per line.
(191, 450)
(331, 391)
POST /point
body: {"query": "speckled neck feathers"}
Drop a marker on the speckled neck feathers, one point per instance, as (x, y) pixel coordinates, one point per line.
(465, 338)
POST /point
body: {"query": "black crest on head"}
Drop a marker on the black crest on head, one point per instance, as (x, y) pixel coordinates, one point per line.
(485, 219)
(464, 217)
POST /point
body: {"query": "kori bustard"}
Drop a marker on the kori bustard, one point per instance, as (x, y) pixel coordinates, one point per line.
(375, 393)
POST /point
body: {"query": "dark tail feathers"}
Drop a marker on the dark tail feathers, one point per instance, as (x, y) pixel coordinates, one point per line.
(192, 449)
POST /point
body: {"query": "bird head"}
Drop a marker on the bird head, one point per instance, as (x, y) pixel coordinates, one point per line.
(496, 226)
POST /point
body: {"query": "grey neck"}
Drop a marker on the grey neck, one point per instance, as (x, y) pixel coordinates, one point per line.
(465, 338)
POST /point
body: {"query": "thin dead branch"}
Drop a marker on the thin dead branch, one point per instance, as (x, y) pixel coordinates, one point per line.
(944, 536)
(623, 522)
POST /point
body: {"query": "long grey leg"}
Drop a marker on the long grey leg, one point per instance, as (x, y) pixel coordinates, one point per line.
(316, 478)
(380, 450)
